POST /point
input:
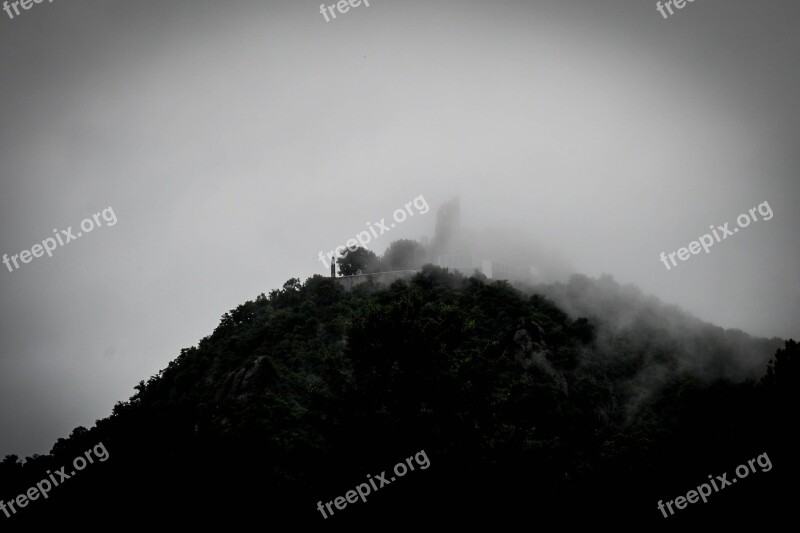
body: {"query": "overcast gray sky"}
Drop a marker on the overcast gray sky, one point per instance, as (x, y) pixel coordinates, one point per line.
(235, 140)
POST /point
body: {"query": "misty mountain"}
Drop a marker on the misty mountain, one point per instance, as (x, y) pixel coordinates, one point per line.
(666, 339)
(585, 395)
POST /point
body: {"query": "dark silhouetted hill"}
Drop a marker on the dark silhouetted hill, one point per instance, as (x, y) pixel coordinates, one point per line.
(584, 403)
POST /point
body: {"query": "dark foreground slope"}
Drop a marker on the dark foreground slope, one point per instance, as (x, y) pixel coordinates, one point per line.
(522, 411)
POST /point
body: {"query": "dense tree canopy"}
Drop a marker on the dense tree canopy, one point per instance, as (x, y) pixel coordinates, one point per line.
(297, 395)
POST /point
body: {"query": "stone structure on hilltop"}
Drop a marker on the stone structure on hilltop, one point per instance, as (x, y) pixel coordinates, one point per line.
(448, 249)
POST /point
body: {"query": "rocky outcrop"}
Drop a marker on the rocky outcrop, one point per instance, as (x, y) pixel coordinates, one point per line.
(245, 381)
(529, 348)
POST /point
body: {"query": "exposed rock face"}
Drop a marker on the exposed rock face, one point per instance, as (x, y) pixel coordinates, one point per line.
(529, 348)
(244, 381)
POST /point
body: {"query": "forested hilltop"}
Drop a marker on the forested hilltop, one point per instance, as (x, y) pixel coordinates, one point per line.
(523, 409)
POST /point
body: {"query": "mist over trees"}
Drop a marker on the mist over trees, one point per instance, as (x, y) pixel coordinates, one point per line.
(400, 255)
(581, 395)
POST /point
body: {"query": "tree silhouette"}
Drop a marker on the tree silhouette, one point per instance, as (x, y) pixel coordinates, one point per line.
(360, 261)
(404, 255)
